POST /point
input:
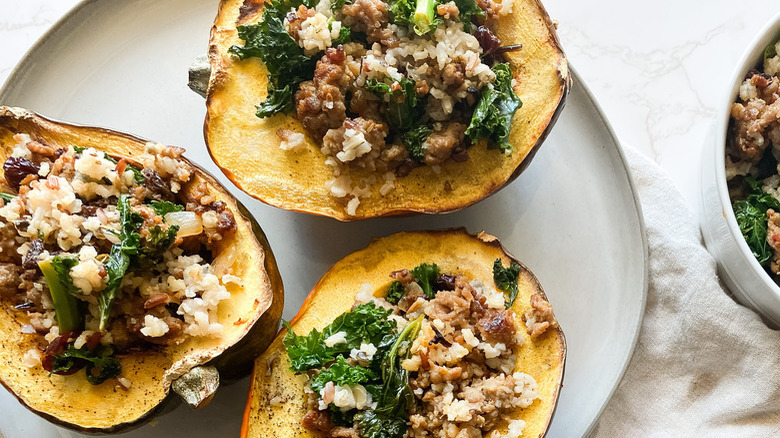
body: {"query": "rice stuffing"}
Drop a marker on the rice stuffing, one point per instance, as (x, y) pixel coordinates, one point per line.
(431, 335)
(109, 254)
(381, 89)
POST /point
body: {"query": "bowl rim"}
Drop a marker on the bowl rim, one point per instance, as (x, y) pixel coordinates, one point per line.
(750, 58)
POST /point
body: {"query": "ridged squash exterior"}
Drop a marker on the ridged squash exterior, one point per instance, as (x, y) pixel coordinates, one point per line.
(247, 149)
(250, 317)
(455, 251)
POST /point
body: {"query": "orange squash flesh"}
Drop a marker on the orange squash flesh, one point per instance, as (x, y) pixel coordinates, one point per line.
(455, 251)
(247, 149)
(250, 317)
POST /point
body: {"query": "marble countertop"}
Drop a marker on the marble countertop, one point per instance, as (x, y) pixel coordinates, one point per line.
(656, 68)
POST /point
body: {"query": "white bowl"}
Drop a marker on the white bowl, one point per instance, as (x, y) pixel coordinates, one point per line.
(738, 268)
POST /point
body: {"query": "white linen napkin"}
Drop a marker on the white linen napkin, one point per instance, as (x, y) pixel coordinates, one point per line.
(704, 365)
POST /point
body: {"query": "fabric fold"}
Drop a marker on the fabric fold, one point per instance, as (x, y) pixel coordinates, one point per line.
(704, 365)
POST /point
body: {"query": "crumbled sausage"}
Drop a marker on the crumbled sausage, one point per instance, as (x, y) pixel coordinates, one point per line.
(226, 224)
(296, 19)
(317, 420)
(366, 105)
(755, 123)
(539, 317)
(498, 325)
(319, 103)
(440, 144)
(9, 279)
(374, 134)
(773, 239)
(449, 307)
(371, 17)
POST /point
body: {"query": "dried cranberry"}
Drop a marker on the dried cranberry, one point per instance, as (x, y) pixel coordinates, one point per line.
(59, 344)
(93, 340)
(444, 282)
(16, 169)
(57, 347)
(487, 40)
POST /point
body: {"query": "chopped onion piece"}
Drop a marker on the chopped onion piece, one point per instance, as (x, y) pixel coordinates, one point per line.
(222, 263)
(189, 223)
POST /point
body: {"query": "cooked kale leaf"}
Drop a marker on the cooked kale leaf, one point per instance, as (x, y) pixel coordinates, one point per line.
(336, 5)
(403, 107)
(396, 399)
(394, 292)
(493, 114)
(345, 36)
(366, 323)
(99, 364)
(418, 13)
(376, 424)
(119, 256)
(467, 9)
(7, 197)
(342, 373)
(506, 279)
(770, 51)
(379, 88)
(161, 208)
(279, 101)
(752, 219)
(287, 64)
(413, 141)
(155, 244)
(340, 418)
(402, 12)
(404, 113)
(62, 266)
(425, 275)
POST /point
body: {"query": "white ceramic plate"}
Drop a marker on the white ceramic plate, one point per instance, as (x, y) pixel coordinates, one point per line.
(572, 216)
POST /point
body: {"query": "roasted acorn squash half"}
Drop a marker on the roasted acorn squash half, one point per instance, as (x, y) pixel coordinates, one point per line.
(277, 403)
(250, 317)
(247, 148)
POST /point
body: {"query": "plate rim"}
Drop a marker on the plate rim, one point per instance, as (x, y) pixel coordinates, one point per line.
(643, 234)
(577, 81)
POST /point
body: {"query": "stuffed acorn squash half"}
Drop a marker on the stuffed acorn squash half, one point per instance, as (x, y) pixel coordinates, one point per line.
(125, 271)
(364, 108)
(430, 334)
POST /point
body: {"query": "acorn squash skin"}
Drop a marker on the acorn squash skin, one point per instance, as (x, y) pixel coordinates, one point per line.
(250, 317)
(455, 251)
(246, 148)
